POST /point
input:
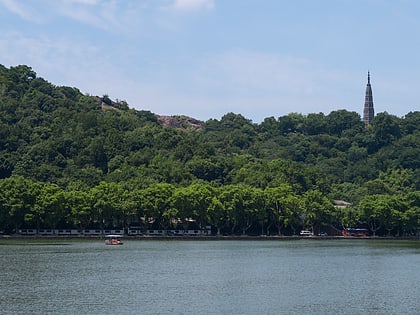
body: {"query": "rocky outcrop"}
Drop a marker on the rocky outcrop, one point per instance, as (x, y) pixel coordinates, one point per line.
(181, 122)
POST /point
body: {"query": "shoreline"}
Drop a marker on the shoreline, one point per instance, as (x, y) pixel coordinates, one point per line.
(215, 237)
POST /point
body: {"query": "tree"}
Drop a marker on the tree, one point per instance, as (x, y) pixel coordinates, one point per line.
(375, 211)
(280, 204)
(155, 200)
(217, 214)
(410, 218)
(107, 199)
(79, 208)
(293, 205)
(386, 128)
(21, 76)
(348, 217)
(314, 124)
(342, 122)
(193, 202)
(205, 169)
(49, 207)
(411, 122)
(318, 210)
(244, 206)
(292, 123)
(17, 199)
(98, 156)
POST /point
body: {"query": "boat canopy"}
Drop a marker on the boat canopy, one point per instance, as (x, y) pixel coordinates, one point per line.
(114, 235)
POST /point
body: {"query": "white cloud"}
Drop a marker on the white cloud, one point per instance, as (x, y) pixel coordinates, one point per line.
(51, 58)
(87, 2)
(190, 5)
(21, 10)
(105, 15)
(100, 14)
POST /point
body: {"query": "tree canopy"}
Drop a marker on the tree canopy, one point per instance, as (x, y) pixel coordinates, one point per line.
(73, 160)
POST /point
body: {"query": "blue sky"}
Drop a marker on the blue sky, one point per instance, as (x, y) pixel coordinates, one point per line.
(205, 58)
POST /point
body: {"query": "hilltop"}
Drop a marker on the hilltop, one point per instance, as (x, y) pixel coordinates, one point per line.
(179, 122)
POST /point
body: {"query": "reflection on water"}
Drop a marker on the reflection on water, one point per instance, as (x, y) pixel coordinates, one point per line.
(209, 277)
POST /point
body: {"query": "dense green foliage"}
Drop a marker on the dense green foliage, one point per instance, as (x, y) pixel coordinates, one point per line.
(67, 161)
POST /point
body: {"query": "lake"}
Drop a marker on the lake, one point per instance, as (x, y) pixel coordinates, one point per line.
(64, 276)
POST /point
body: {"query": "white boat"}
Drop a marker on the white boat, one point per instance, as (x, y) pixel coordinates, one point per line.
(113, 239)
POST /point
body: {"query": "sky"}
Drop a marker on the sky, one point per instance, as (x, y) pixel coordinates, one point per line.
(207, 58)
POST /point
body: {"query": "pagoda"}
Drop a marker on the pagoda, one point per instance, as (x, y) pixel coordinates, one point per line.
(368, 111)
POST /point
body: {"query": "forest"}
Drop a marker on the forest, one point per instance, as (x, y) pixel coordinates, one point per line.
(72, 160)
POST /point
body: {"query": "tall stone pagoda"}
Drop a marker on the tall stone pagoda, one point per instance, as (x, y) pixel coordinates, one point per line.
(368, 111)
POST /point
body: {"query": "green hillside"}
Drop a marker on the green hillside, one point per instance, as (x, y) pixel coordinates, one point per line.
(74, 160)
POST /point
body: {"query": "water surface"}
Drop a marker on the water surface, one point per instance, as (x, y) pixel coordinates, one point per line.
(210, 277)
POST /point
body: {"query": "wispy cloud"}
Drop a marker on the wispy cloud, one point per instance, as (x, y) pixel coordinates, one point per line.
(98, 14)
(43, 53)
(123, 17)
(24, 12)
(87, 2)
(188, 5)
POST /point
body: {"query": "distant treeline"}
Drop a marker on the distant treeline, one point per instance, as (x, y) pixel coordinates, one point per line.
(73, 160)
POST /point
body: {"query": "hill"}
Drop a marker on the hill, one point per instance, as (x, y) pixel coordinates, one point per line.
(69, 159)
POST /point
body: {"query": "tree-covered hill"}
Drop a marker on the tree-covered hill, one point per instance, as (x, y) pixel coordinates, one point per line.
(69, 159)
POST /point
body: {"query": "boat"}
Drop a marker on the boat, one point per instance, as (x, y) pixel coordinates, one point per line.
(113, 239)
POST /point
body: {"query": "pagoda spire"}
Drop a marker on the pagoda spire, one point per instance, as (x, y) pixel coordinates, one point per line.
(368, 111)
